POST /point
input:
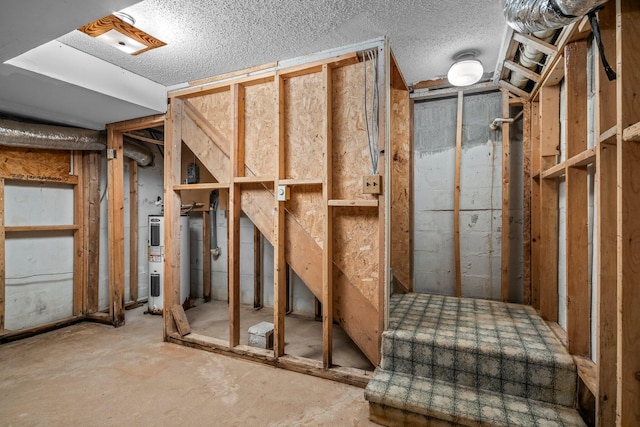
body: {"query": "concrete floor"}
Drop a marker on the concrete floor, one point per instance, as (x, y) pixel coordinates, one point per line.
(303, 336)
(95, 375)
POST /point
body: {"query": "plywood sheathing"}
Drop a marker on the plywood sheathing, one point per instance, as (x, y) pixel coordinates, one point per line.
(217, 109)
(260, 147)
(36, 165)
(402, 186)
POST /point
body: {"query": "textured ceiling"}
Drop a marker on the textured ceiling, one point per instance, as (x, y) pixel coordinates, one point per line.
(206, 38)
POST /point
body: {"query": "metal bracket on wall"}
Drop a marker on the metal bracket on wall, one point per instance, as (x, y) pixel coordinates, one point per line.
(111, 153)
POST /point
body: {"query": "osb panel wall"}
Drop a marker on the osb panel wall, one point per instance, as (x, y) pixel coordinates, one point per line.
(214, 158)
(350, 147)
(195, 196)
(217, 108)
(306, 205)
(36, 165)
(401, 152)
(304, 133)
(260, 138)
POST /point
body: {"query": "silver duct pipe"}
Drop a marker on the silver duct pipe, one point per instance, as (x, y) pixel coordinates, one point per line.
(34, 135)
(528, 16)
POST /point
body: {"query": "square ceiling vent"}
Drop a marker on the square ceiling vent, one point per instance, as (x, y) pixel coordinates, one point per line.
(120, 34)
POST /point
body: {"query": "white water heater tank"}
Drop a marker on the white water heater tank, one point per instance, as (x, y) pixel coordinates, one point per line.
(156, 262)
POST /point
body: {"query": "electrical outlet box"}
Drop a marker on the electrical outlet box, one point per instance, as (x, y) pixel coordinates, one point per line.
(284, 193)
(372, 184)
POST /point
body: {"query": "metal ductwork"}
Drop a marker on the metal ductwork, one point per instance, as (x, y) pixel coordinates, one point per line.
(529, 16)
(34, 135)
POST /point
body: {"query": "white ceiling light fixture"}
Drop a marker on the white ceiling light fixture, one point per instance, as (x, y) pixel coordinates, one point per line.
(117, 30)
(466, 70)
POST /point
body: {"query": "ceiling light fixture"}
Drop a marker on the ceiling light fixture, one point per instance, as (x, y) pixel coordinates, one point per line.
(466, 70)
(117, 30)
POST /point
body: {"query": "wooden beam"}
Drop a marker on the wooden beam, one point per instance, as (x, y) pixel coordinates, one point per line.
(137, 124)
(115, 226)
(363, 203)
(327, 243)
(279, 263)
(206, 255)
(506, 170)
(606, 229)
(526, 203)
(535, 206)
(456, 196)
(133, 230)
(531, 75)
(2, 256)
(78, 236)
(549, 145)
(536, 43)
(40, 228)
(628, 220)
(577, 245)
(257, 268)
(172, 202)
(92, 164)
(632, 133)
(514, 89)
(554, 171)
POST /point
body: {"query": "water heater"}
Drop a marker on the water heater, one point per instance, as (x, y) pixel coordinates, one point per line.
(156, 262)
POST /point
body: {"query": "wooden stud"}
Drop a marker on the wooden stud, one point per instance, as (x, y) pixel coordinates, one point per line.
(577, 254)
(180, 318)
(535, 206)
(279, 263)
(456, 195)
(628, 220)
(606, 229)
(549, 143)
(327, 243)
(2, 256)
(115, 228)
(206, 256)
(506, 170)
(526, 203)
(172, 202)
(257, 268)
(133, 230)
(78, 236)
(92, 165)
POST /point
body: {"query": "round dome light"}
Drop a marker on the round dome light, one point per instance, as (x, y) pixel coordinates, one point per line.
(465, 72)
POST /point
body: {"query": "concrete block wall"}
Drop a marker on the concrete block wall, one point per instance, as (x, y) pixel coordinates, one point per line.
(480, 198)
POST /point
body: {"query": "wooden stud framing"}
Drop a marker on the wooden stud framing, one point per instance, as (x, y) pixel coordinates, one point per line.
(628, 206)
(2, 256)
(115, 229)
(92, 162)
(279, 263)
(577, 254)
(133, 231)
(526, 203)
(535, 205)
(78, 236)
(206, 255)
(327, 243)
(172, 202)
(456, 195)
(549, 143)
(506, 159)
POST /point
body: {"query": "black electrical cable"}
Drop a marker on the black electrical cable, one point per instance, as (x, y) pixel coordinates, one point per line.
(593, 20)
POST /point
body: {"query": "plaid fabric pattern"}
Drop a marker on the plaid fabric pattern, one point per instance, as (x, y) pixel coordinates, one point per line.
(474, 362)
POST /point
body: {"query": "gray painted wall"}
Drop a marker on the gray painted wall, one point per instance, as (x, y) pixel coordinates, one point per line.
(480, 199)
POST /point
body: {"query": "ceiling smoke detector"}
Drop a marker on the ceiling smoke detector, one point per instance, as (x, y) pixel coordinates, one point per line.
(466, 70)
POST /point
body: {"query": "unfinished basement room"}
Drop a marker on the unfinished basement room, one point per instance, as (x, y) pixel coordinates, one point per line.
(320, 213)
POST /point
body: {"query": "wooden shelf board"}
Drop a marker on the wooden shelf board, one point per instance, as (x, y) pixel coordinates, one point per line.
(609, 136)
(201, 186)
(583, 159)
(252, 179)
(356, 203)
(27, 228)
(304, 181)
(588, 373)
(555, 171)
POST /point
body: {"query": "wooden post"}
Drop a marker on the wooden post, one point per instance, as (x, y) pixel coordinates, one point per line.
(606, 169)
(279, 263)
(133, 230)
(526, 203)
(535, 205)
(577, 277)
(628, 219)
(237, 169)
(78, 236)
(549, 146)
(172, 202)
(206, 256)
(327, 244)
(456, 195)
(92, 162)
(257, 267)
(506, 158)
(2, 256)
(115, 183)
